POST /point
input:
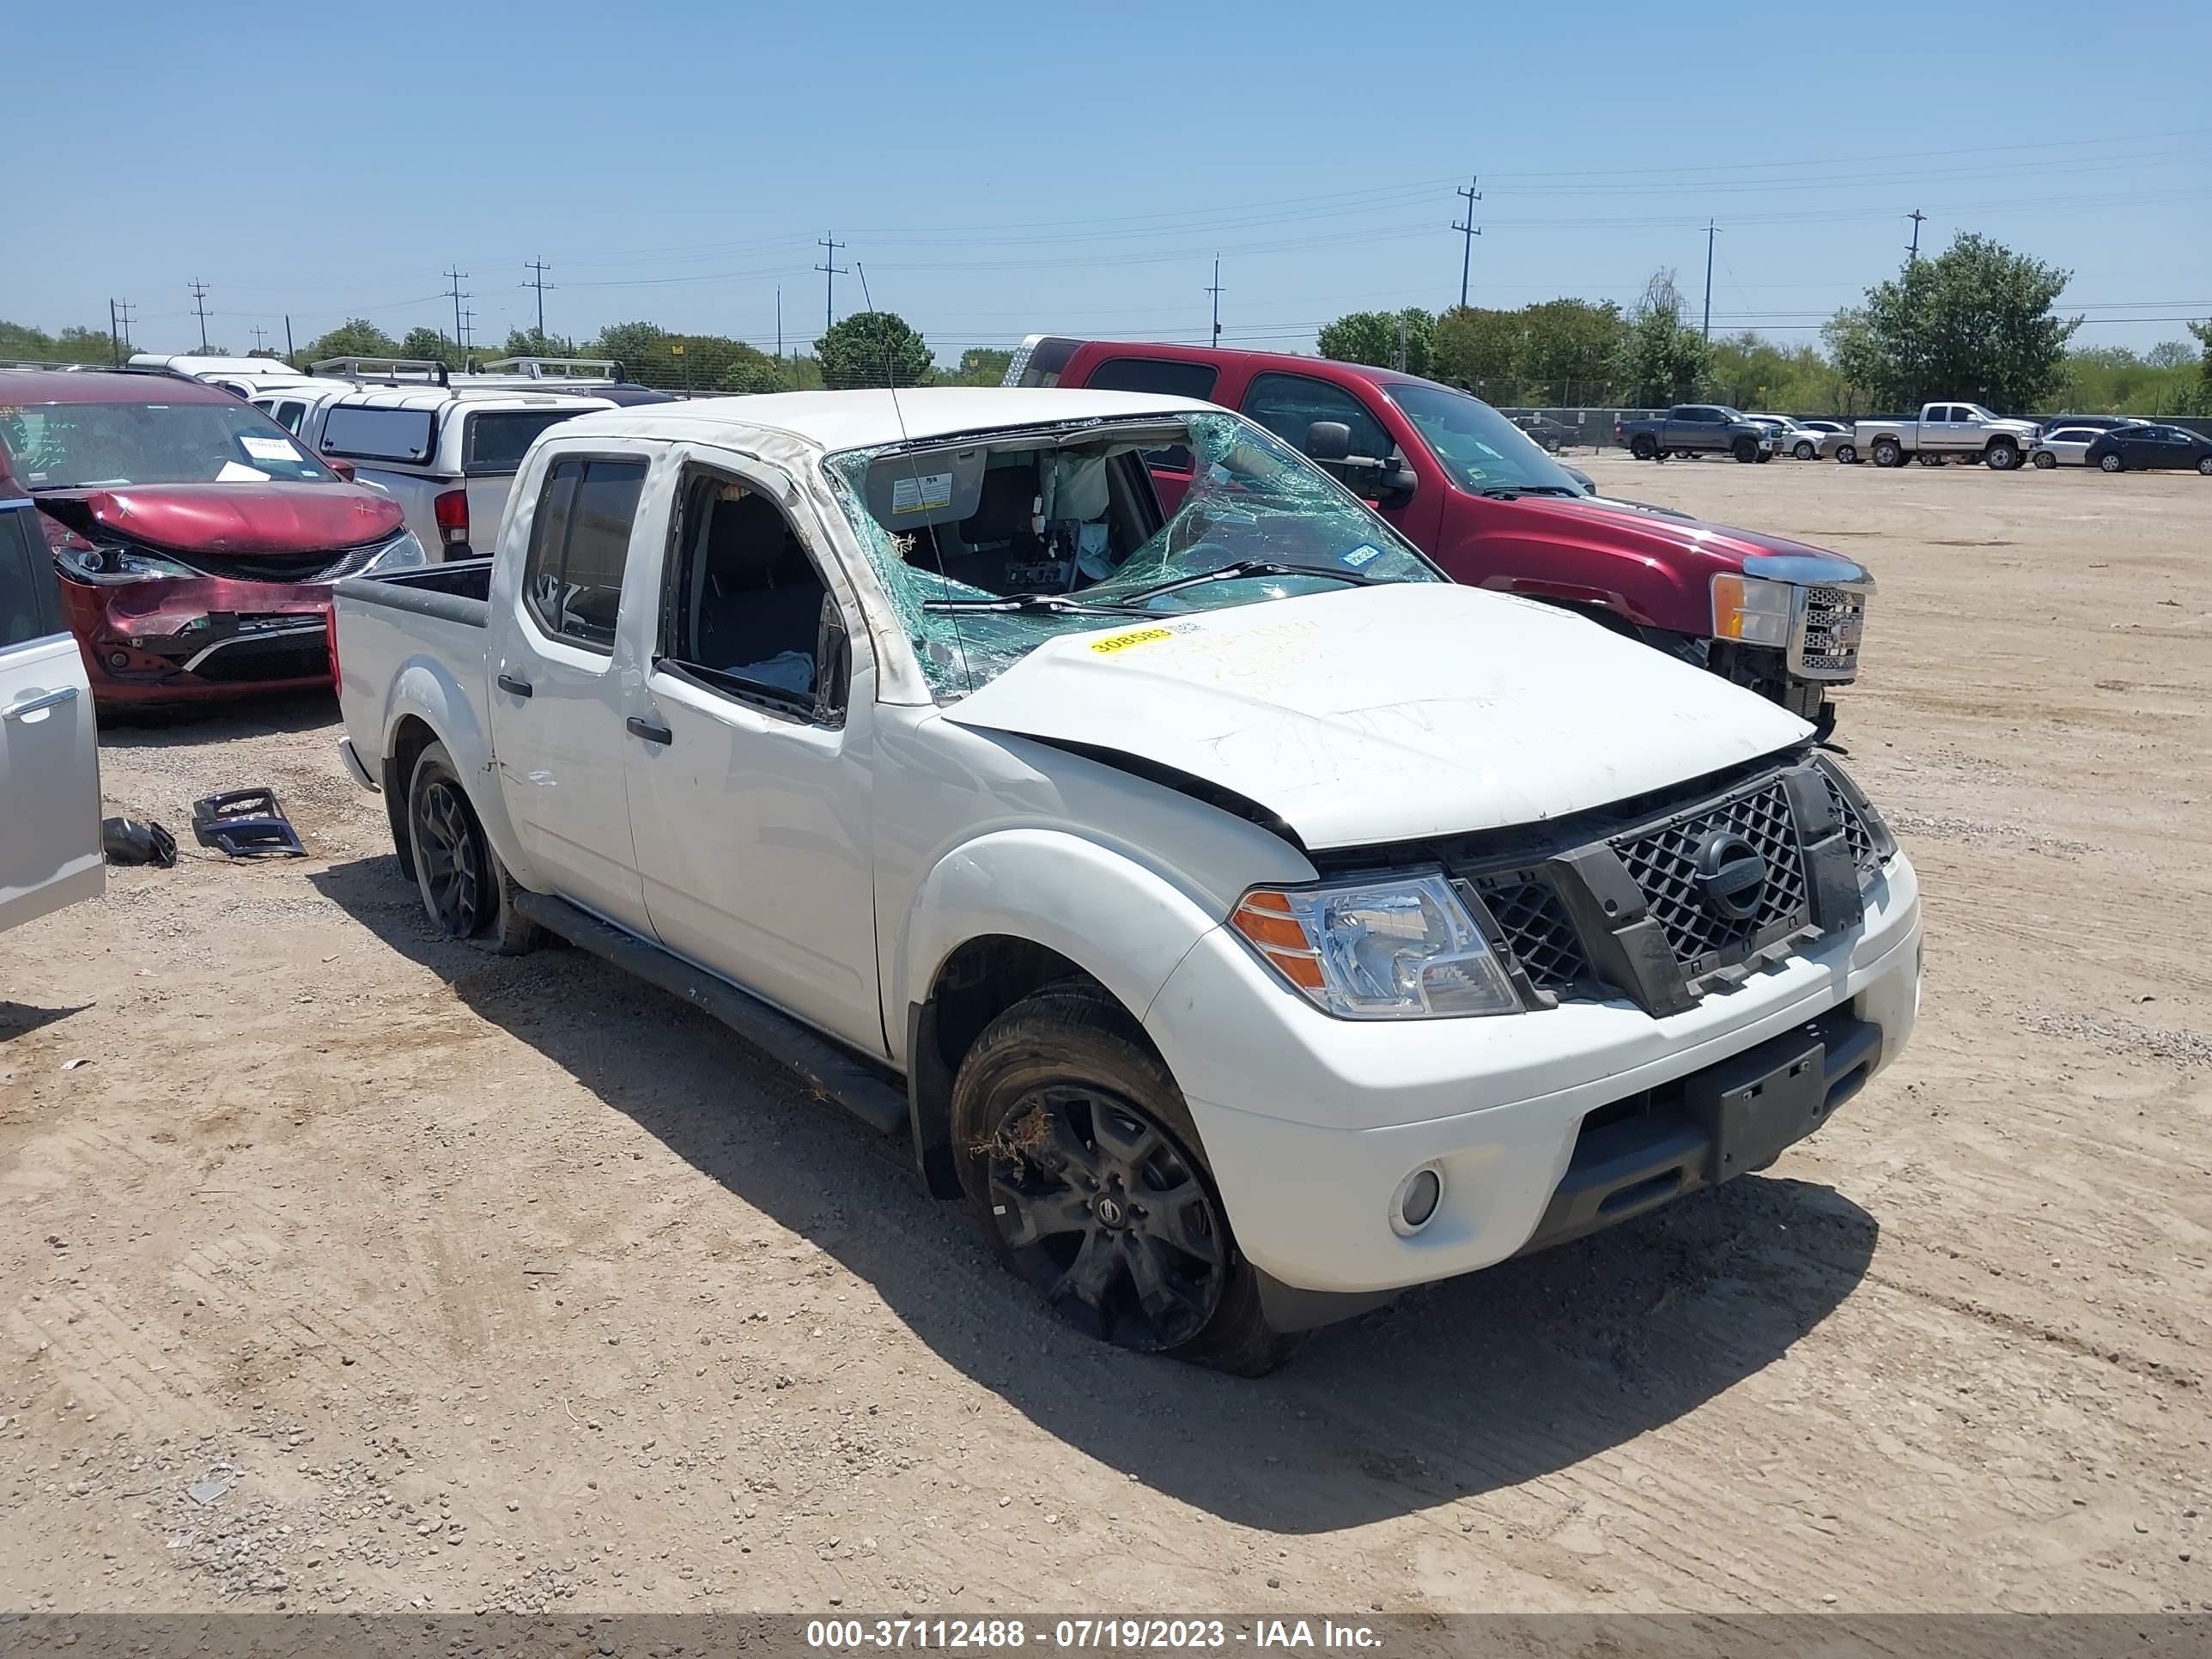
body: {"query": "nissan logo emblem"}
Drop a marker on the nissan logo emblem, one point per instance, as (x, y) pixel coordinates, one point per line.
(1732, 874)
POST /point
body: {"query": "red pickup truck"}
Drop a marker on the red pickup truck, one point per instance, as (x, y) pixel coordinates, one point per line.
(1478, 496)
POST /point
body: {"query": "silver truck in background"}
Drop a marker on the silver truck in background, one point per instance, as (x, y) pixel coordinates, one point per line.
(1966, 431)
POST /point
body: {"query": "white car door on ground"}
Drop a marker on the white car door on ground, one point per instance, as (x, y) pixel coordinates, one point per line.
(751, 808)
(559, 706)
(49, 851)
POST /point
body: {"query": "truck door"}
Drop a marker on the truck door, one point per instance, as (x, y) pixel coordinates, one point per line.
(1947, 427)
(49, 851)
(1288, 405)
(559, 712)
(1170, 468)
(750, 800)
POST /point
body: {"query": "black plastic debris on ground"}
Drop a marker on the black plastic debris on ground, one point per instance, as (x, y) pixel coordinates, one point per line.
(133, 840)
(246, 823)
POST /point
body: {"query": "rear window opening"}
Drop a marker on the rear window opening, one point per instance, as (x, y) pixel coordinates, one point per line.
(493, 440)
(378, 435)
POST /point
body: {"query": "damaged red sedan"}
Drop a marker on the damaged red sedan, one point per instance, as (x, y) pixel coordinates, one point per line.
(196, 540)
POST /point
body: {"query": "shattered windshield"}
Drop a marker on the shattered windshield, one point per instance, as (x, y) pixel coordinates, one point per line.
(989, 547)
(1481, 449)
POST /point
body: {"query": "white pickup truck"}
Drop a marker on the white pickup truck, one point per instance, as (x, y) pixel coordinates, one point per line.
(1245, 921)
(1944, 430)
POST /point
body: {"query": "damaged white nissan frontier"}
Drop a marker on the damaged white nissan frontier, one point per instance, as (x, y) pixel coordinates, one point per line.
(1245, 920)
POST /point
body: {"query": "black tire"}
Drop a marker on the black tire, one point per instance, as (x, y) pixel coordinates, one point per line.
(1847, 454)
(1805, 452)
(1643, 446)
(466, 891)
(1746, 451)
(2002, 456)
(1886, 451)
(2204, 466)
(1059, 1072)
(2045, 461)
(2111, 462)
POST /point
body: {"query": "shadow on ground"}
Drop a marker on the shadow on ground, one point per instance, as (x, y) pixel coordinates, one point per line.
(22, 1018)
(1480, 1383)
(186, 725)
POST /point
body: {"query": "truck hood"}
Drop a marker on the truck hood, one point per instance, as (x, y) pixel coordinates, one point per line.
(238, 519)
(1683, 542)
(1388, 713)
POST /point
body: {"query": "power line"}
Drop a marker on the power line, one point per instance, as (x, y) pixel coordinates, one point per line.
(538, 268)
(199, 304)
(831, 271)
(1469, 231)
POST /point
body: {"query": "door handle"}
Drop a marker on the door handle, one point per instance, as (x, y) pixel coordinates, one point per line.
(16, 711)
(648, 730)
(508, 683)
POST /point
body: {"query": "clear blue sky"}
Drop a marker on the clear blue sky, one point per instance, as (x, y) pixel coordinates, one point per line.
(1003, 168)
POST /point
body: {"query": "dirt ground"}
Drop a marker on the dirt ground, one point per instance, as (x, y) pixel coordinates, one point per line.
(344, 1267)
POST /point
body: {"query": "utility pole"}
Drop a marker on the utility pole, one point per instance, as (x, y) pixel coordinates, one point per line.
(1402, 343)
(539, 268)
(118, 325)
(831, 270)
(260, 338)
(1215, 290)
(199, 304)
(1912, 254)
(468, 323)
(1711, 230)
(457, 296)
(288, 336)
(779, 322)
(1467, 234)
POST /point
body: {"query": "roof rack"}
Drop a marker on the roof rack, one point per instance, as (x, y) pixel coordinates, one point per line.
(161, 371)
(388, 369)
(555, 368)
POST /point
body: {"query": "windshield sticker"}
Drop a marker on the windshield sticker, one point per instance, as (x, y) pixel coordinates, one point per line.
(1360, 555)
(268, 449)
(1113, 642)
(922, 494)
(232, 472)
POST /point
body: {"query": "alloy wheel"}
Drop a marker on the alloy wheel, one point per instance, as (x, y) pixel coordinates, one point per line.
(1098, 1208)
(446, 853)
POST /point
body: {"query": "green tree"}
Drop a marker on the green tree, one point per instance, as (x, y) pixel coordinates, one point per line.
(979, 365)
(1975, 321)
(1662, 358)
(751, 370)
(1382, 339)
(873, 348)
(634, 345)
(1569, 351)
(1477, 348)
(428, 345)
(354, 338)
(529, 343)
(19, 343)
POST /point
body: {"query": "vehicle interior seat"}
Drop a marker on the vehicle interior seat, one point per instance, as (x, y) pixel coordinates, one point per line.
(1000, 550)
(757, 600)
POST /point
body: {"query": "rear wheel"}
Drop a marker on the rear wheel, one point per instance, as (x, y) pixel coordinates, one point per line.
(1083, 1167)
(2045, 461)
(1804, 451)
(2204, 466)
(466, 891)
(2111, 463)
(2002, 456)
(1746, 450)
(1887, 451)
(1643, 446)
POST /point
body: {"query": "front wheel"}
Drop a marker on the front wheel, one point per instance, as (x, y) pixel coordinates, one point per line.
(1081, 1164)
(1847, 454)
(2111, 463)
(1643, 446)
(1803, 452)
(2204, 466)
(1746, 451)
(466, 890)
(2045, 461)
(2002, 456)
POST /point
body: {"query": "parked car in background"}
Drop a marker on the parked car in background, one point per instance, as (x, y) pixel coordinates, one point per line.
(2096, 422)
(196, 541)
(1830, 439)
(1942, 431)
(2150, 448)
(1466, 486)
(1792, 437)
(447, 453)
(1551, 437)
(1696, 429)
(1243, 920)
(244, 376)
(2062, 445)
(49, 848)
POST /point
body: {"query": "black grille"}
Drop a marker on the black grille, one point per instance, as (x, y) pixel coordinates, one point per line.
(325, 566)
(1863, 856)
(1664, 863)
(1536, 929)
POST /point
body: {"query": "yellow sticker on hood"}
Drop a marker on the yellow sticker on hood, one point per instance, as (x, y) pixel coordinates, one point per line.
(1113, 642)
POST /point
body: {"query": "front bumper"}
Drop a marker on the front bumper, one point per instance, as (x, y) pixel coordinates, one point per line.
(1311, 1124)
(186, 640)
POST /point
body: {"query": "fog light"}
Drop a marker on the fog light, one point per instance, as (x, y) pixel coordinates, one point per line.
(1419, 1194)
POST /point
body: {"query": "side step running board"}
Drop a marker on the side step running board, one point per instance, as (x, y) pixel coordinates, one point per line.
(868, 1094)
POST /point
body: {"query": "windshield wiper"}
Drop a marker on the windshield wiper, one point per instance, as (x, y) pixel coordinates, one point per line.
(1020, 602)
(1249, 568)
(1507, 492)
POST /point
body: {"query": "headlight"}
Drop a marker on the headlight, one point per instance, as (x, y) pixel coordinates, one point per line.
(1753, 610)
(1401, 948)
(111, 566)
(403, 552)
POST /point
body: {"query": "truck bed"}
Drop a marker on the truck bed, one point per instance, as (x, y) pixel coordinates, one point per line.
(459, 591)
